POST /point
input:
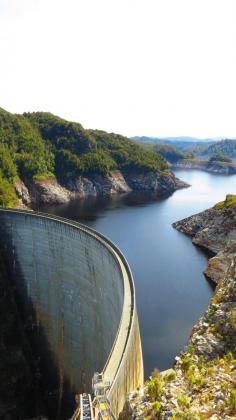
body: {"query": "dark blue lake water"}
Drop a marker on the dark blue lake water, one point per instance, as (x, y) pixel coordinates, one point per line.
(171, 290)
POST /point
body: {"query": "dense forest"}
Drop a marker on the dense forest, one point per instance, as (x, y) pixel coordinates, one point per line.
(40, 145)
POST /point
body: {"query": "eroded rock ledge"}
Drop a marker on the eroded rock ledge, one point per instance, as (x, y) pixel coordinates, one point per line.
(215, 231)
(51, 191)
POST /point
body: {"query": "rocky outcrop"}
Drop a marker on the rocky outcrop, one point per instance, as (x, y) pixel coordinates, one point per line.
(215, 231)
(225, 168)
(218, 265)
(22, 193)
(215, 333)
(164, 184)
(47, 191)
(51, 191)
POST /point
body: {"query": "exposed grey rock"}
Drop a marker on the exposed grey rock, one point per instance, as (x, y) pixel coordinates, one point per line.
(219, 337)
(81, 185)
(164, 184)
(22, 192)
(48, 191)
(51, 191)
(214, 230)
(218, 265)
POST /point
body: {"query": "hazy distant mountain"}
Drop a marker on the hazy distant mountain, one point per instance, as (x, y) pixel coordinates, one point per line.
(184, 143)
(185, 139)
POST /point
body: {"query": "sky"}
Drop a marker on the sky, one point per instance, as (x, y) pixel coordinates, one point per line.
(136, 67)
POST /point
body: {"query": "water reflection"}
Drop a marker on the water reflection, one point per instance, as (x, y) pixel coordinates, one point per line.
(94, 207)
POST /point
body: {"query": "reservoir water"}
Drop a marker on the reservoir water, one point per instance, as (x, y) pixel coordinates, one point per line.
(171, 290)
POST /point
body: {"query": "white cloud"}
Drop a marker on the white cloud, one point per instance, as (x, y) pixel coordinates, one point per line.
(149, 67)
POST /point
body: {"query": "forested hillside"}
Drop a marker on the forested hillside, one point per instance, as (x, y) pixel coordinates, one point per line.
(223, 147)
(40, 145)
(169, 152)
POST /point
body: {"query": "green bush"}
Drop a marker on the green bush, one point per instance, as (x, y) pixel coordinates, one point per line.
(156, 407)
(183, 401)
(7, 166)
(186, 362)
(8, 196)
(170, 376)
(155, 388)
(232, 400)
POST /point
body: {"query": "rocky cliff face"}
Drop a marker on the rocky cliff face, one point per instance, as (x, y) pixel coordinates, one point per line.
(164, 184)
(202, 384)
(51, 191)
(226, 168)
(213, 230)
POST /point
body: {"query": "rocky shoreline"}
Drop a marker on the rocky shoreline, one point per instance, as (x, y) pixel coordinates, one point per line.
(224, 168)
(52, 191)
(215, 231)
(202, 384)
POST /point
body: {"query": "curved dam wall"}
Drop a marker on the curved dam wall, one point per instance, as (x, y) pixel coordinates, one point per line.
(77, 299)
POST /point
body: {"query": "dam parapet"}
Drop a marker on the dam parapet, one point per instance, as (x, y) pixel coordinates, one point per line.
(76, 295)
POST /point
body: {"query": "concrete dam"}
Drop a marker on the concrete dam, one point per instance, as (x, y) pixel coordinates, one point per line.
(76, 297)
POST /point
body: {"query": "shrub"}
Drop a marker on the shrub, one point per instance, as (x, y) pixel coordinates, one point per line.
(186, 362)
(185, 415)
(8, 196)
(156, 407)
(155, 388)
(183, 401)
(232, 400)
(170, 376)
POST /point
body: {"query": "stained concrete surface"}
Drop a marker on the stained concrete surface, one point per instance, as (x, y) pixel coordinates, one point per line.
(77, 299)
